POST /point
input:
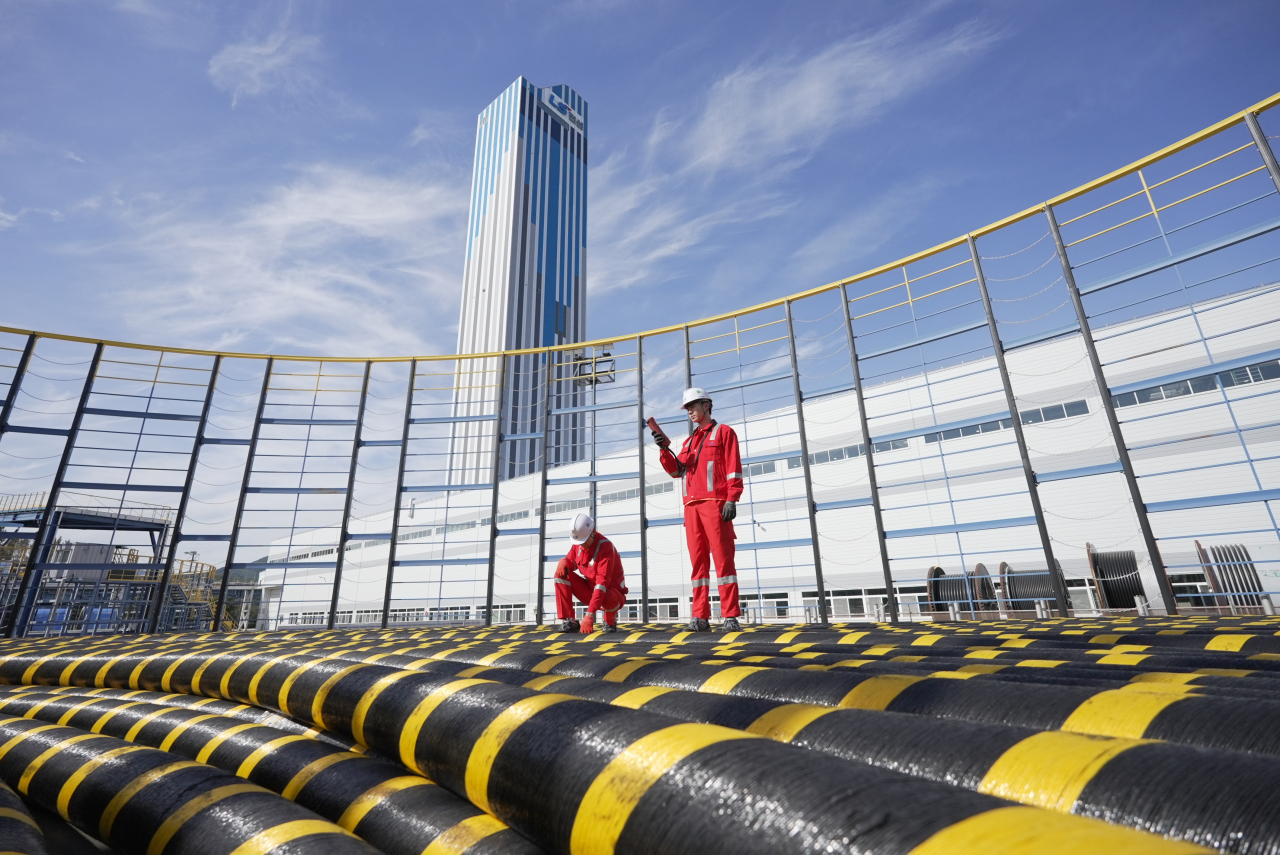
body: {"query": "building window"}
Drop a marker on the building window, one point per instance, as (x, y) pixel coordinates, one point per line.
(1053, 413)
(1255, 373)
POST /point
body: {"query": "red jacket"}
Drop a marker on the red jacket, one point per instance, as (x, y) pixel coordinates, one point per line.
(601, 567)
(710, 464)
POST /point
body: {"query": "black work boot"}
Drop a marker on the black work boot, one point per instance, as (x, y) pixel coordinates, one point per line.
(731, 625)
(570, 625)
(608, 627)
(699, 625)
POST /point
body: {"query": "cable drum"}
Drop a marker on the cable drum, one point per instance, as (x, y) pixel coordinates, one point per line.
(1023, 587)
(945, 590)
(1229, 569)
(1116, 575)
(982, 590)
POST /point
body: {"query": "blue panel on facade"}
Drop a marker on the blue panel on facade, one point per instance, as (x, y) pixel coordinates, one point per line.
(959, 527)
(1214, 501)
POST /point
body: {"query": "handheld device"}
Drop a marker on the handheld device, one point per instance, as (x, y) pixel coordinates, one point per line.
(653, 426)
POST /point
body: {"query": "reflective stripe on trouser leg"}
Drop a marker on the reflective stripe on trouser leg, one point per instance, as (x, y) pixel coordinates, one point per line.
(700, 556)
(610, 603)
(567, 590)
(719, 535)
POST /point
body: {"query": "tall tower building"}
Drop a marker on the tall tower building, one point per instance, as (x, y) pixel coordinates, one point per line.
(524, 283)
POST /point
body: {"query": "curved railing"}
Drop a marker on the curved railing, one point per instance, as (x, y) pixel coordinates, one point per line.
(1005, 399)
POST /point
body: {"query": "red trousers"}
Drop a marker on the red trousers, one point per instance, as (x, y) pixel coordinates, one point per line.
(708, 536)
(577, 587)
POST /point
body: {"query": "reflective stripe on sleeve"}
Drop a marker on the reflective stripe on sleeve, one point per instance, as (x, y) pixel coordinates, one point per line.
(733, 475)
(601, 588)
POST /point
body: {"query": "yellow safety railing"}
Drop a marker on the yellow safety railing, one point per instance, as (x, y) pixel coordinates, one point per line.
(1083, 189)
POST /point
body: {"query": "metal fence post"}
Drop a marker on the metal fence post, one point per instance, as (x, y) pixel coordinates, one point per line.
(542, 483)
(395, 510)
(18, 375)
(882, 541)
(15, 622)
(644, 513)
(346, 505)
(1033, 490)
(162, 589)
(495, 472)
(219, 612)
(1135, 495)
(1264, 147)
(805, 468)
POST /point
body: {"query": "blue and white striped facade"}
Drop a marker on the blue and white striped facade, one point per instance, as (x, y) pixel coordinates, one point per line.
(524, 283)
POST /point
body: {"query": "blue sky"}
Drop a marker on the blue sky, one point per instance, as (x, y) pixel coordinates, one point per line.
(295, 177)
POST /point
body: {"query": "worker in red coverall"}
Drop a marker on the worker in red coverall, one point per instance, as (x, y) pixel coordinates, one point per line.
(597, 583)
(712, 472)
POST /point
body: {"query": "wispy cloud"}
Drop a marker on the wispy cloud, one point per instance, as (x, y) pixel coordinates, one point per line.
(699, 175)
(7, 220)
(281, 61)
(338, 261)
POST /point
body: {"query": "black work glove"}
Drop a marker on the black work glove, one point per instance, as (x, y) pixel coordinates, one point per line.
(729, 511)
(663, 442)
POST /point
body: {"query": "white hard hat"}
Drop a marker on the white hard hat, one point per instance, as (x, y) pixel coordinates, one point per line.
(694, 394)
(583, 525)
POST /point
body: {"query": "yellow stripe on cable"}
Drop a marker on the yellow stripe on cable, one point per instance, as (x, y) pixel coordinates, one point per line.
(877, 693)
(265, 841)
(1119, 713)
(485, 749)
(131, 789)
(725, 681)
(366, 701)
(24, 782)
(317, 703)
(73, 781)
(1051, 769)
(614, 794)
(464, 835)
(174, 821)
(251, 762)
(374, 796)
(413, 724)
(636, 698)
(1031, 831)
(214, 744)
(785, 722)
(13, 813)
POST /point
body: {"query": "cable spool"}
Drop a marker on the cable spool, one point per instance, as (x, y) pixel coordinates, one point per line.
(1116, 575)
(945, 590)
(1229, 570)
(1023, 587)
(19, 832)
(982, 590)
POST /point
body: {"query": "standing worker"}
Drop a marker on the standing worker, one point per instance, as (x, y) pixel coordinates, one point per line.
(597, 583)
(712, 474)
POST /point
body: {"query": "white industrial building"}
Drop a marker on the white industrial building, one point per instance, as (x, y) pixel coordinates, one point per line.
(951, 487)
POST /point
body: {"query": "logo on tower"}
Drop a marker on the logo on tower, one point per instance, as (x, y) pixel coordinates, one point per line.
(557, 107)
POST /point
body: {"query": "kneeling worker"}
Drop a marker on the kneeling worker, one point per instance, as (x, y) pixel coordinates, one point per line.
(597, 583)
(712, 473)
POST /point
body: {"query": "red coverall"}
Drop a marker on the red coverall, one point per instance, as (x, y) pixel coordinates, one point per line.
(712, 473)
(600, 586)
